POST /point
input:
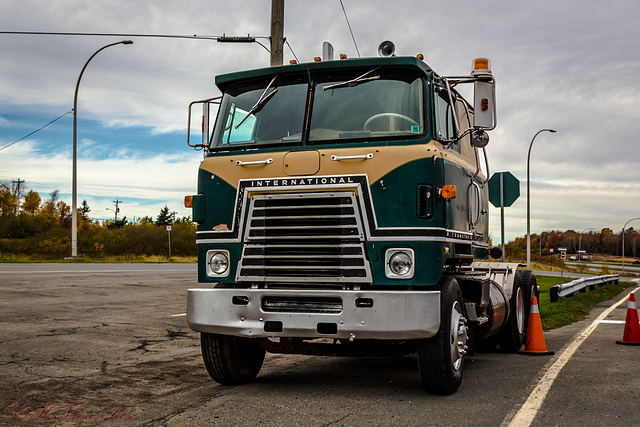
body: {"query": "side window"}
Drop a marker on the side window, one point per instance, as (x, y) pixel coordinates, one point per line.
(444, 117)
(466, 149)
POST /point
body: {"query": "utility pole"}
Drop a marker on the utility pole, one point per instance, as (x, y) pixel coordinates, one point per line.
(18, 192)
(117, 202)
(277, 32)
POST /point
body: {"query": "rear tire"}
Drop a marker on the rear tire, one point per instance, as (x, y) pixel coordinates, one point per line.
(512, 337)
(441, 357)
(231, 360)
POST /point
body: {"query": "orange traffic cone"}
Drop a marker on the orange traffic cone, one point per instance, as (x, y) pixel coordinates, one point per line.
(631, 334)
(534, 345)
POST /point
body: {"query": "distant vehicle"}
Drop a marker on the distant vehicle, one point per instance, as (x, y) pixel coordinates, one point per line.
(586, 257)
(636, 262)
(573, 258)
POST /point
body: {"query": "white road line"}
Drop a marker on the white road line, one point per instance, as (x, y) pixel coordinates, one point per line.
(530, 408)
(179, 315)
(612, 322)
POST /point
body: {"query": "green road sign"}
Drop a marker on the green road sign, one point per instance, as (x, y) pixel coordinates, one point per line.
(511, 189)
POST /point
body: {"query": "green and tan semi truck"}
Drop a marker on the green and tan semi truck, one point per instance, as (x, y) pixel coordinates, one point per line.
(342, 209)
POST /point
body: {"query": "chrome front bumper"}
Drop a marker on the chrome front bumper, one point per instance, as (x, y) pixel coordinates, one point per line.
(390, 315)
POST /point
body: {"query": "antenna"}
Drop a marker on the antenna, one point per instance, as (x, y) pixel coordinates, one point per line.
(349, 25)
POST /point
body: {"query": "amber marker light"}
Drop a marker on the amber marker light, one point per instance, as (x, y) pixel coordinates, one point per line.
(188, 201)
(293, 62)
(317, 59)
(343, 56)
(420, 57)
(447, 191)
(481, 66)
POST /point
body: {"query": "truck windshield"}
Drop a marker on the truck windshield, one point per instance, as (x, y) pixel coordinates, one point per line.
(261, 114)
(367, 104)
(361, 103)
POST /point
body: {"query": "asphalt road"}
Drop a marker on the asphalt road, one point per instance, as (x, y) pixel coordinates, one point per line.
(109, 344)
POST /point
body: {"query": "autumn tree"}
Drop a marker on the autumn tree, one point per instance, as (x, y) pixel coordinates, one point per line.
(31, 203)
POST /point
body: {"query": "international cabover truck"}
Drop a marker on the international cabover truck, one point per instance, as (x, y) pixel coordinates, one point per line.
(341, 206)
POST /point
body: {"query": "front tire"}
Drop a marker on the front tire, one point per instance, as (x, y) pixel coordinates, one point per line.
(441, 358)
(231, 360)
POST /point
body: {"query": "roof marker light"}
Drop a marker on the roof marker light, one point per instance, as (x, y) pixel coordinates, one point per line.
(481, 66)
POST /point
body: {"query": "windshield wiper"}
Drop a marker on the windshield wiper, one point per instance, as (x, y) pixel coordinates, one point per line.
(261, 101)
(354, 82)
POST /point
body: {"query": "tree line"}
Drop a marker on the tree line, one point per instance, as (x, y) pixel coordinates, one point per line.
(35, 227)
(603, 242)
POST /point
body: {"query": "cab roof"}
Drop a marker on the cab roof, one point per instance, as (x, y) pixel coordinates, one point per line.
(225, 80)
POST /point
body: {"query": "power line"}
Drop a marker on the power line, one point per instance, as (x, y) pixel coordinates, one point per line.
(37, 130)
(223, 38)
(167, 36)
(349, 25)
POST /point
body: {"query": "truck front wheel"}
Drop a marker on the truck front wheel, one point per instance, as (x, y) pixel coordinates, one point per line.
(441, 358)
(231, 360)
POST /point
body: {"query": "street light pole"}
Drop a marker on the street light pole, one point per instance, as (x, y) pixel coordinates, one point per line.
(623, 228)
(74, 178)
(529, 199)
(580, 241)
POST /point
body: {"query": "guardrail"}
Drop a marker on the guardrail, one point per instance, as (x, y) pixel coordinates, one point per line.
(581, 285)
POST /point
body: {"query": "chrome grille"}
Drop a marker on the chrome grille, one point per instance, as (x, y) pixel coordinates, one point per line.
(304, 237)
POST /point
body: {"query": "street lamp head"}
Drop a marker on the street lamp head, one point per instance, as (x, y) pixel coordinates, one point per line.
(131, 42)
(550, 130)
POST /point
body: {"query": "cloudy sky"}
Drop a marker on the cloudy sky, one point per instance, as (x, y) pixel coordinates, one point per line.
(565, 65)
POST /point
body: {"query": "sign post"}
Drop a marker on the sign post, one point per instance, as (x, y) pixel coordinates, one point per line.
(504, 189)
(169, 236)
(563, 256)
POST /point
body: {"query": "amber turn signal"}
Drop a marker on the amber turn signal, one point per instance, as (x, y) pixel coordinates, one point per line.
(188, 201)
(447, 191)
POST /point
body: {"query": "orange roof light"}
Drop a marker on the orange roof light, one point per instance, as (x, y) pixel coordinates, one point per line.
(420, 57)
(293, 62)
(343, 56)
(317, 59)
(481, 66)
(448, 191)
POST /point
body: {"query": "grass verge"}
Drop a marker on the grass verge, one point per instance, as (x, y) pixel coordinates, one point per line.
(571, 309)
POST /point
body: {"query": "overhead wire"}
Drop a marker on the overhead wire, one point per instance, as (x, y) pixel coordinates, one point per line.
(37, 130)
(167, 36)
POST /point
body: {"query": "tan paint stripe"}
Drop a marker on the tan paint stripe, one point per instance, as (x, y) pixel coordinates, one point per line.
(385, 159)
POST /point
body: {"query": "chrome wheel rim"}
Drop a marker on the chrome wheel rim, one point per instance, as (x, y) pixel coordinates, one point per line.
(458, 336)
(520, 312)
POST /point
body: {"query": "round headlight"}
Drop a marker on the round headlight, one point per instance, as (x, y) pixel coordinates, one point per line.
(400, 263)
(219, 263)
